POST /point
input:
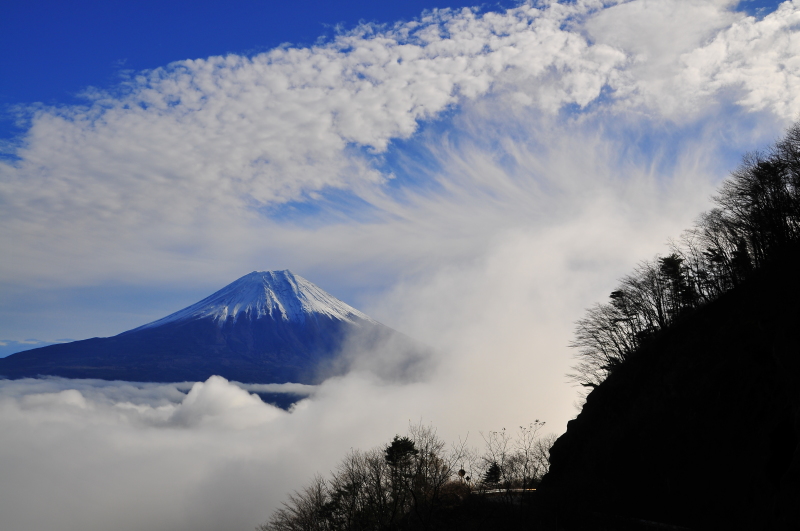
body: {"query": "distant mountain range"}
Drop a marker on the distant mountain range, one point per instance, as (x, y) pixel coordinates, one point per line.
(266, 327)
(8, 346)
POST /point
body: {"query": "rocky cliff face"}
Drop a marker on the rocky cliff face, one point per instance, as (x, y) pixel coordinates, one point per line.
(700, 429)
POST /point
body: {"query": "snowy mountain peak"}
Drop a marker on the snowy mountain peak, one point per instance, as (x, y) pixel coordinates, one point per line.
(280, 295)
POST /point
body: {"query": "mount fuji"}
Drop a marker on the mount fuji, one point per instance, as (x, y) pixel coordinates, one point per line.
(266, 327)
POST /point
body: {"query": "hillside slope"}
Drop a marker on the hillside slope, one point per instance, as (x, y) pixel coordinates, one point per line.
(700, 428)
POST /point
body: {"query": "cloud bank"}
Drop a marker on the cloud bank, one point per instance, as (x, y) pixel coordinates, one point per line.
(178, 166)
(472, 179)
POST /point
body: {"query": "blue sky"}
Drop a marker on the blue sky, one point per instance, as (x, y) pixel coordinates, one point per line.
(475, 179)
(53, 50)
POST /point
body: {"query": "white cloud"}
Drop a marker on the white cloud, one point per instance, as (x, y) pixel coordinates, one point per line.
(66, 446)
(168, 173)
(654, 36)
(756, 58)
(178, 161)
(686, 56)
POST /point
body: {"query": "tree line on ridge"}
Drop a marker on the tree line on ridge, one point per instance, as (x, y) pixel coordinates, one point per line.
(756, 219)
(416, 482)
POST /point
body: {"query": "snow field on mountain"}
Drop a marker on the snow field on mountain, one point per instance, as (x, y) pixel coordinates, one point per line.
(276, 294)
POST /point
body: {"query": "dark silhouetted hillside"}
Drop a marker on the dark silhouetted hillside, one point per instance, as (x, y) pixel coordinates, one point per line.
(700, 427)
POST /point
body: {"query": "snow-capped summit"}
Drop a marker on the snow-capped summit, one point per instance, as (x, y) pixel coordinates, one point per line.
(280, 295)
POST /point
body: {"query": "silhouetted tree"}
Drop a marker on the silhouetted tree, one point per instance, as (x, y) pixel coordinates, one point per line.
(756, 220)
(400, 452)
(410, 483)
(492, 475)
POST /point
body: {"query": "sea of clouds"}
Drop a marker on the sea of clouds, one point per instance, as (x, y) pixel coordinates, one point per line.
(474, 180)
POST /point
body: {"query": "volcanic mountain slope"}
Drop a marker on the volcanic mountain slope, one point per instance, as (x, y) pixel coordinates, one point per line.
(265, 327)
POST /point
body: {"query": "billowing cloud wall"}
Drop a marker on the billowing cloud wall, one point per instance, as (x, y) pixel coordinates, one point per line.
(474, 180)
